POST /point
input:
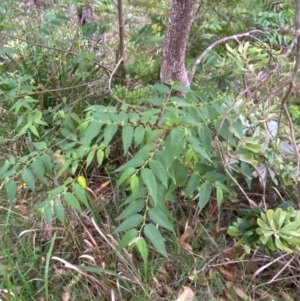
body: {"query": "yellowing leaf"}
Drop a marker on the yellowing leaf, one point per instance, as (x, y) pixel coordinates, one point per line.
(82, 182)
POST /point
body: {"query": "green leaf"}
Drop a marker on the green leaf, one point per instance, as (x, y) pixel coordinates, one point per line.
(100, 156)
(109, 133)
(47, 163)
(197, 148)
(205, 192)
(28, 178)
(205, 136)
(47, 211)
(90, 157)
(219, 196)
(160, 88)
(40, 145)
(129, 223)
(127, 238)
(134, 185)
(11, 190)
(159, 171)
(80, 194)
(125, 175)
(91, 132)
(133, 208)
(150, 182)
(72, 201)
(139, 134)
(59, 211)
(143, 249)
(38, 169)
(152, 233)
(127, 136)
(160, 218)
(193, 184)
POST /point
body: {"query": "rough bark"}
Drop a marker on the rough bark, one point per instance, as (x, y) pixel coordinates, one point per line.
(174, 49)
(85, 14)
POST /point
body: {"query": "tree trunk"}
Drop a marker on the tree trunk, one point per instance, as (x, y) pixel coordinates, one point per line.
(173, 55)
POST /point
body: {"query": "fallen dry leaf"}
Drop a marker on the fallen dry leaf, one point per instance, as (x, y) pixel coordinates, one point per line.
(230, 276)
(228, 295)
(65, 296)
(22, 210)
(186, 295)
(102, 186)
(241, 293)
(285, 296)
(188, 232)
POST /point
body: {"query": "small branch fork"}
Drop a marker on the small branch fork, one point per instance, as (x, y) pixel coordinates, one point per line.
(218, 42)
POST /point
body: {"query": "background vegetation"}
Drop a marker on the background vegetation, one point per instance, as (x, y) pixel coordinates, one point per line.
(115, 186)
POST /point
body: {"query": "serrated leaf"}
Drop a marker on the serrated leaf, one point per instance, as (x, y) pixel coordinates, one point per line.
(11, 190)
(125, 175)
(160, 218)
(72, 201)
(204, 195)
(152, 233)
(133, 208)
(127, 136)
(100, 156)
(131, 222)
(109, 133)
(28, 179)
(134, 185)
(127, 238)
(59, 211)
(90, 157)
(150, 182)
(159, 172)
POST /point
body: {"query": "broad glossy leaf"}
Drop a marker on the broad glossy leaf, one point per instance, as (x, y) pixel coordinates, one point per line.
(152, 233)
(28, 178)
(204, 196)
(127, 136)
(150, 182)
(160, 218)
(131, 222)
